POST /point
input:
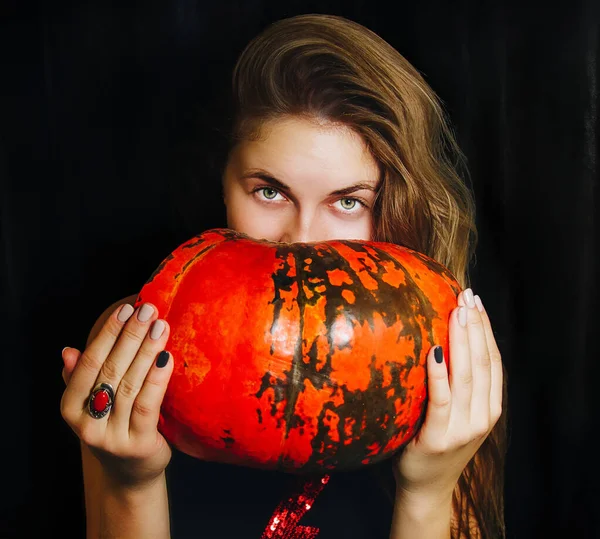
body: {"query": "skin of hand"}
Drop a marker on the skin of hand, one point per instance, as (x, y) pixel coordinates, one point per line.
(126, 354)
(464, 404)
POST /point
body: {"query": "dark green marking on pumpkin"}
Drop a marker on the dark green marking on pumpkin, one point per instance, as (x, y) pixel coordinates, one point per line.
(228, 439)
(413, 296)
(395, 303)
(229, 234)
(373, 407)
(283, 282)
(279, 394)
(226, 235)
(199, 254)
(199, 239)
(160, 267)
(196, 240)
(440, 269)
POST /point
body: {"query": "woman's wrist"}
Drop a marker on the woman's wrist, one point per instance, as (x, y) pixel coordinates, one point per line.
(423, 504)
(129, 491)
(426, 515)
(135, 510)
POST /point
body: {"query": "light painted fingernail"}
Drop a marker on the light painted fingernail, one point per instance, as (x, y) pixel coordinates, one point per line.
(125, 312)
(462, 316)
(157, 329)
(479, 304)
(145, 313)
(468, 295)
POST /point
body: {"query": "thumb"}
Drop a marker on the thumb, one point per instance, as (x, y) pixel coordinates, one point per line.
(70, 358)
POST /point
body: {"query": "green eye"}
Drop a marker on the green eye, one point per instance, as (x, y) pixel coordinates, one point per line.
(348, 203)
(269, 193)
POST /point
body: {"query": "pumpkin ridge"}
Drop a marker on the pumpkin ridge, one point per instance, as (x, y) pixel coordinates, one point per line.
(177, 278)
(160, 267)
(294, 376)
(438, 268)
(281, 387)
(194, 258)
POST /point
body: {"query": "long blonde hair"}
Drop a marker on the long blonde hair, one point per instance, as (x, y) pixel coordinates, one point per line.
(331, 69)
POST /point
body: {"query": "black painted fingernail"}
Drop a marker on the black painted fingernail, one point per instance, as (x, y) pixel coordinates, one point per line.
(438, 354)
(162, 359)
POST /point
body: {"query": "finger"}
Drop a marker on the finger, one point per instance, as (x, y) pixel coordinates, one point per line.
(88, 367)
(134, 379)
(480, 359)
(127, 346)
(461, 371)
(146, 408)
(437, 415)
(70, 357)
(496, 372)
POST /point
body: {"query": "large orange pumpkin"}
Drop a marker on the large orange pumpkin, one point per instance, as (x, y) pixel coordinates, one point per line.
(301, 357)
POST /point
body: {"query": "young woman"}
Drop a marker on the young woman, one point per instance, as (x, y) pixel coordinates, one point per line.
(335, 136)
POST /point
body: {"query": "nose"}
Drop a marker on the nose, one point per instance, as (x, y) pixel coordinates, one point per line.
(295, 236)
(301, 229)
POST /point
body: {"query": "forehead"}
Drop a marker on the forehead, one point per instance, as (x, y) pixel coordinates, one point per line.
(298, 150)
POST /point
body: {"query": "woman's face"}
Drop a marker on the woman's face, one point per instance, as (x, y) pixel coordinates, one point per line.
(301, 182)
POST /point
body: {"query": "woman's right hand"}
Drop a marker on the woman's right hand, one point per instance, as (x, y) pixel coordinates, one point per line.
(126, 354)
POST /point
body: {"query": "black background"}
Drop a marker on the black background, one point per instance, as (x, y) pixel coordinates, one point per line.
(99, 98)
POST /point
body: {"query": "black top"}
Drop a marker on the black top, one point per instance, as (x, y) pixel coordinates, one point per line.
(218, 501)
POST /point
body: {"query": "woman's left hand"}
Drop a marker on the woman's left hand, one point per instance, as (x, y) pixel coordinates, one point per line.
(463, 406)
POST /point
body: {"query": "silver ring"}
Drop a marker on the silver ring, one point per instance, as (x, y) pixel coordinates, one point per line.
(101, 400)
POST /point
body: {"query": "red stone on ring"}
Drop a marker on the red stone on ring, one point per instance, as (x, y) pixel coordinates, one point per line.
(100, 400)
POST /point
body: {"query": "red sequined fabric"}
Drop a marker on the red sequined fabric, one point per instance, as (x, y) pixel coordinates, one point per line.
(284, 522)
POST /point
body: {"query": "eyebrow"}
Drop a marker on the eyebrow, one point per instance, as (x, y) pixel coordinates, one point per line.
(266, 177)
